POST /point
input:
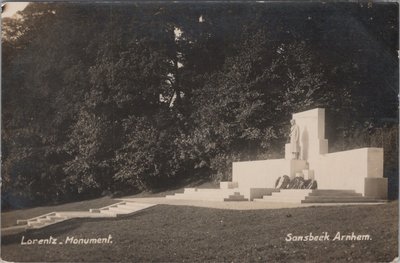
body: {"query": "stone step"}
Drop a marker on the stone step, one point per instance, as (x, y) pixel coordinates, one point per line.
(99, 212)
(267, 200)
(45, 220)
(54, 217)
(296, 190)
(293, 191)
(282, 199)
(334, 194)
(37, 225)
(22, 221)
(284, 195)
(316, 196)
(205, 195)
(344, 200)
(35, 222)
(335, 197)
(80, 214)
(194, 197)
(327, 191)
(289, 195)
(124, 208)
(121, 208)
(37, 219)
(236, 197)
(199, 195)
(46, 223)
(41, 220)
(213, 191)
(105, 212)
(285, 200)
(120, 211)
(109, 213)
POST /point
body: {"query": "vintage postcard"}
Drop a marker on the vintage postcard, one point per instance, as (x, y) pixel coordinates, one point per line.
(207, 131)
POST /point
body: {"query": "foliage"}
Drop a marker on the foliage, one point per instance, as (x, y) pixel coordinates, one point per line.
(148, 157)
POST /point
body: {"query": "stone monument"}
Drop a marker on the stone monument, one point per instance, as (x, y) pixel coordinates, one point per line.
(357, 172)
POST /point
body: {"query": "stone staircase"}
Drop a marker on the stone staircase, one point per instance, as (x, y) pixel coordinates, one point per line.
(316, 196)
(236, 197)
(43, 220)
(285, 196)
(338, 196)
(121, 208)
(219, 194)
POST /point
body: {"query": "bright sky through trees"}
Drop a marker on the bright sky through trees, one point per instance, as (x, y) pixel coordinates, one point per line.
(12, 8)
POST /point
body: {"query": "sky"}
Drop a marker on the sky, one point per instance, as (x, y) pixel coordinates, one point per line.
(12, 8)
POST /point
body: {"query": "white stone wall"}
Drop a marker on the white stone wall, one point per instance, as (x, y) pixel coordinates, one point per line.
(348, 169)
(258, 173)
(263, 174)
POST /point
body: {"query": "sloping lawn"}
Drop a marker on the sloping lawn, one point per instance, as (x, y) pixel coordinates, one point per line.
(187, 234)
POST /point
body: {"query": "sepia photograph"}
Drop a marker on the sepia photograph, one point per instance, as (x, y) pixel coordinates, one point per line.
(200, 131)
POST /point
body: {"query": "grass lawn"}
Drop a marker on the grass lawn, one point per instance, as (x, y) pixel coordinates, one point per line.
(188, 234)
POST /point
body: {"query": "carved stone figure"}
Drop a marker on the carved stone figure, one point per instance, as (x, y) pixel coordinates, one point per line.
(294, 140)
